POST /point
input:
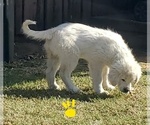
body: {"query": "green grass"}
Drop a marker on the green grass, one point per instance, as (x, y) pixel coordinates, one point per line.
(27, 100)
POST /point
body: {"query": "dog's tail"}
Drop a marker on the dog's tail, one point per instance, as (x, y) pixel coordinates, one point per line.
(39, 35)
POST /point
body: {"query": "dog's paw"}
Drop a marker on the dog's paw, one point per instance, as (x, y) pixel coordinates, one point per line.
(111, 87)
(74, 90)
(56, 87)
(108, 86)
(104, 93)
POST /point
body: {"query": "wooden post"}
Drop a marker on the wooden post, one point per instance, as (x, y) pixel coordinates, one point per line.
(9, 30)
(1, 32)
(1, 62)
(18, 16)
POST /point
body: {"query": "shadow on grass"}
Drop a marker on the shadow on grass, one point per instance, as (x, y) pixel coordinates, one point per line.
(146, 73)
(24, 71)
(46, 93)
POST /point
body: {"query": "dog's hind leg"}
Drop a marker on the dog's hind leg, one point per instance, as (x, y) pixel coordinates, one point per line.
(106, 82)
(52, 67)
(66, 68)
(96, 74)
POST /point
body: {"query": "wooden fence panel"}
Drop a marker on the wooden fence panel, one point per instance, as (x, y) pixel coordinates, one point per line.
(102, 8)
(66, 16)
(76, 10)
(57, 12)
(18, 15)
(86, 10)
(40, 14)
(30, 9)
(49, 13)
(70, 9)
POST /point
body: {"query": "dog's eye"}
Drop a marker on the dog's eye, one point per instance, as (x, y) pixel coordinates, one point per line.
(123, 80)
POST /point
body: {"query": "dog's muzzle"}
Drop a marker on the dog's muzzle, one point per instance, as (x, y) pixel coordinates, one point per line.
(126, 90)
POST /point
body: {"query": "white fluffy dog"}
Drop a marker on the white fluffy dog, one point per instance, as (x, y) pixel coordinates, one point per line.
(103, 49)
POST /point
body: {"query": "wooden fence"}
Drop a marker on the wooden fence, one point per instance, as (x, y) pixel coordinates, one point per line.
(115, 14)
(49, 13)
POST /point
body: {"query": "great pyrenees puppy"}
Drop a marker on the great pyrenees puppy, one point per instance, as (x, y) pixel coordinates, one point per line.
(110, 61)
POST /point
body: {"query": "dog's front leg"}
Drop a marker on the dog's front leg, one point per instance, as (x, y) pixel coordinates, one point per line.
(96, 74)
(106, 82)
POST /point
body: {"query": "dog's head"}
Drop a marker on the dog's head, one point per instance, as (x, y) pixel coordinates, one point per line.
(125, 76)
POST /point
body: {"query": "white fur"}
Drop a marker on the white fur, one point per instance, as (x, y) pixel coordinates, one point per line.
(103, 49)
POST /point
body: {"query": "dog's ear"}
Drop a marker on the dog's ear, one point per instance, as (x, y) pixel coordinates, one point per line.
(136, 80)
(139, 73)
(113, 76)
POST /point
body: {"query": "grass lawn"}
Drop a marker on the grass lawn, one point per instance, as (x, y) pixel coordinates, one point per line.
(27, 100)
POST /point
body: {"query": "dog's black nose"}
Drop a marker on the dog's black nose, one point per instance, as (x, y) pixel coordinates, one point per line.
(126, 90)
